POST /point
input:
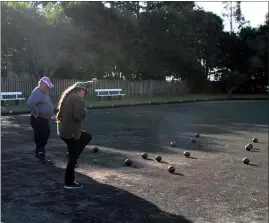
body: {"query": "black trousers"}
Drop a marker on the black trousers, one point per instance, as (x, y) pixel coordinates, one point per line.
(41, 128)
(75, 148)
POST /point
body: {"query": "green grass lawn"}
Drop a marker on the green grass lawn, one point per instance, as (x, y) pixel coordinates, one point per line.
(93, 101)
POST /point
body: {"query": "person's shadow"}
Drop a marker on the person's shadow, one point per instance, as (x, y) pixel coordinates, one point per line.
(33, 192)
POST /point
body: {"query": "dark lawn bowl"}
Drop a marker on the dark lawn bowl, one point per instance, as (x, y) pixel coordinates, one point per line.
(246, 160)
(187, 153)
(144, 155)
(128, 162)
(173, 144)
(248, 147)
(158, 158)
(193, 140)
(95, 149)
(171, 169)
(255, 140)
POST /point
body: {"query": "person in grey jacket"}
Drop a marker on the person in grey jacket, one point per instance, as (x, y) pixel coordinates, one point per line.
(42, 111)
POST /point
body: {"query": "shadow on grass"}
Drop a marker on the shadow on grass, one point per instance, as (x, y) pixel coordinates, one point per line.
(192, 157)
(179, 174)
(150, 159)
(15, 130)
(254, 150)
(103, 158)
(164, 162)
(32, 191)
(252, 164)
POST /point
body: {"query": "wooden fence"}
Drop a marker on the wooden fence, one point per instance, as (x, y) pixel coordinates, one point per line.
(130, 88)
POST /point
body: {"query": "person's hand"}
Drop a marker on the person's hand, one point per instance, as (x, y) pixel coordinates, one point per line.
(86, 113)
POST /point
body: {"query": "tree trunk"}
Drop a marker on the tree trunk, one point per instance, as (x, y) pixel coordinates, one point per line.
(206, 70)
(231, 17)
(36, 72)
(230, 91)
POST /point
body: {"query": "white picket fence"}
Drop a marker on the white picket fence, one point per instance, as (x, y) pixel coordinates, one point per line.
(130, 88)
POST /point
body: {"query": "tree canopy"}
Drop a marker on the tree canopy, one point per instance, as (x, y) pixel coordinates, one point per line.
(136, 41)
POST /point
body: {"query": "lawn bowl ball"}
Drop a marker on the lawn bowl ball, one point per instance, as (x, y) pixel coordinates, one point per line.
(128, 162)
(187, 153)
(158, 158)
(173, 144)
(95, 149)
(255, 140)
(144, 155)
(171, 169)
(197, 135)
(248, 147)
(246, 160)
(193, 140)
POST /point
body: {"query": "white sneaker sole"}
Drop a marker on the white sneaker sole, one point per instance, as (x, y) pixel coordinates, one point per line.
(72, 188)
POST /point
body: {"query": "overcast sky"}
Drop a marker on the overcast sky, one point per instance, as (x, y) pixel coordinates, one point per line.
(253, 11)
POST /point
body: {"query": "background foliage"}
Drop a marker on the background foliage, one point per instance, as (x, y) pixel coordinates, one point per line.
(135, 41)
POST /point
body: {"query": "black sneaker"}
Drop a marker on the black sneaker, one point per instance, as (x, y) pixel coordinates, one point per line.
(43, 159)
(73, 186)
(39, 155)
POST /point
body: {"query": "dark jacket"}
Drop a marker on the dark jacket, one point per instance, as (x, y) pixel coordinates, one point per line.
(73, 112)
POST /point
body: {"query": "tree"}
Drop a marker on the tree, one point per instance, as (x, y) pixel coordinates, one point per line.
(208, 29)
(30, 41)
(135, 41)
(109, 35)
(228, 62)
(255, 54)
(133, 8)
(16, 17)
(234, 15)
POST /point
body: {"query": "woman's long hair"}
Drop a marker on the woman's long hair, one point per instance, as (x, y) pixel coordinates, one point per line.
(62, 98)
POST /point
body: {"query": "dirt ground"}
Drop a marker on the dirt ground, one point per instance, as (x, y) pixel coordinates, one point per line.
(211, 186)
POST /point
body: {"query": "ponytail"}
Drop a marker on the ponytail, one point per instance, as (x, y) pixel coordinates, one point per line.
(62, 98)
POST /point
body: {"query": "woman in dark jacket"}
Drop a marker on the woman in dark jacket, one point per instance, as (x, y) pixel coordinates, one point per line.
(71, 113)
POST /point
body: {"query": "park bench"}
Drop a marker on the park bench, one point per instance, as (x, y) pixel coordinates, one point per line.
(11, 96)
(109, 93)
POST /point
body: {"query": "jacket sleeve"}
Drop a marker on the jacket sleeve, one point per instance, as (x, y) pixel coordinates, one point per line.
(79, 112)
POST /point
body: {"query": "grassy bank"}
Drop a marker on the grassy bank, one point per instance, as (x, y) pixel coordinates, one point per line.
(127, 100)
